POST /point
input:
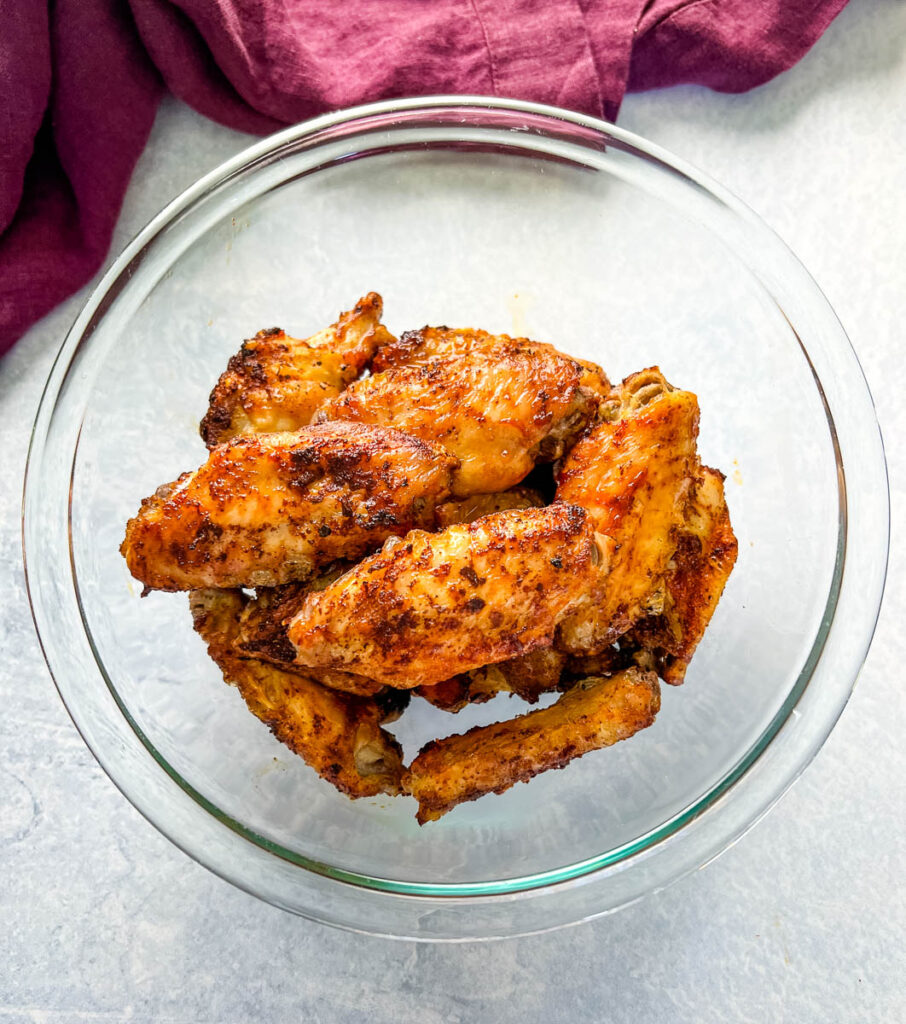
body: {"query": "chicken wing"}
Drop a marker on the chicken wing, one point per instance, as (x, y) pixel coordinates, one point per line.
(273, 508)
(431, 606)
(275, 382)
(632, 475)
(263, 633)
(263, 628)
(699, 569)
(415, 348)
(338, 735)
(499, 410)
(596, 713)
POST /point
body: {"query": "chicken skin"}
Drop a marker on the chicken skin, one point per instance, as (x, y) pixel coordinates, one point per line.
(632, 475)
(270, 509)
(499, 408)
(431, 606)
(704, 558)
(263, 633)
(338, 735)
(415, 348)
(275, 382)
(595, 713)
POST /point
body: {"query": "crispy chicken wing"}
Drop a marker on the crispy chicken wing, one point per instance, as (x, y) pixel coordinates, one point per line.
(490, 759)
(275, 382)
(263, 630)
(273, 508)
(338, 735)
(431, 606)
(499, 408)
(415, 348)
(704, 557)
(632, 474)
(263, 633)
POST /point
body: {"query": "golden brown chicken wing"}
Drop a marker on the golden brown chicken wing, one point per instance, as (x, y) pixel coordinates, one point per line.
(698, 571)
(263, 633)
(338, 735)
(431, 606)
(490, 759)
(415, 348)
(275, 382)
(499, 409)
(263, 629)
(632, 474)
(273, 508)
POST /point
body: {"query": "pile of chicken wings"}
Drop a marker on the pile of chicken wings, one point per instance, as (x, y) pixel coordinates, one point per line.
(446, 515)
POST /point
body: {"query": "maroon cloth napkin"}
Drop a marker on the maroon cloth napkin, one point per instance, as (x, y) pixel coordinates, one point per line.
(80, 81)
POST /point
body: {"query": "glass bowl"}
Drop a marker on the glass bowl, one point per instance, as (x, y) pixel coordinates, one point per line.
(521, 219)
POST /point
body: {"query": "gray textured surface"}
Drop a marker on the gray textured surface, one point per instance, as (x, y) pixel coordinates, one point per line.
(803, 920)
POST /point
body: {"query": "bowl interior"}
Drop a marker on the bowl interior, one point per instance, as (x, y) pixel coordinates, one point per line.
(593, 256)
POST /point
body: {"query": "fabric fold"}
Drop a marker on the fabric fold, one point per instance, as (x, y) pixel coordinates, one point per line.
(98, 113)
(728, 47)
(540, 50)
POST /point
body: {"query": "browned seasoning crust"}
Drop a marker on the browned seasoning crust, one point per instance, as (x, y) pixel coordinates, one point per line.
(263, 634)
(500, 406)
(435, 605)
(701, 564)
(275, 508)
(337, 734)
(490, 759)
(632, 473)
(262, 631)
(275, 382)
(418, 347)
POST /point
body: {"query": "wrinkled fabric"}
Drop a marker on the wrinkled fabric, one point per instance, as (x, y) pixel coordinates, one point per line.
(80, 81)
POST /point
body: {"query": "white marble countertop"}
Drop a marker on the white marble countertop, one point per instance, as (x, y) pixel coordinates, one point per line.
(804, 920)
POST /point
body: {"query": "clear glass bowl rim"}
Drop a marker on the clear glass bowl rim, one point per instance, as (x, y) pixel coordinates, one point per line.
(710, 820)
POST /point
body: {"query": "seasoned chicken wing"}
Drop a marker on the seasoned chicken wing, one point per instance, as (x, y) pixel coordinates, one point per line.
(415, 348)
(704, 557)
(275, 382)
(263, 633)
(498, 409)
(432, 606)
(263, 629)
(596, 713)
(273, 508)
(632, 474)
(338, 735)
